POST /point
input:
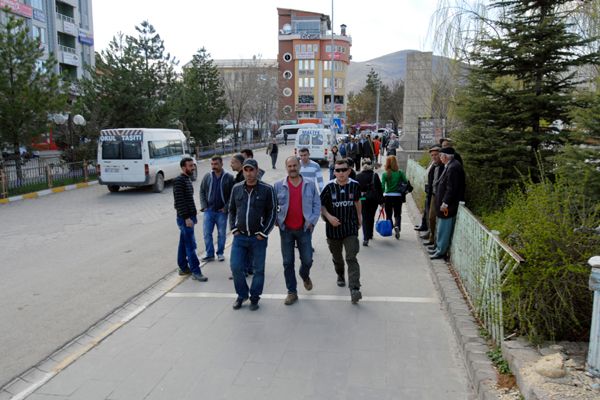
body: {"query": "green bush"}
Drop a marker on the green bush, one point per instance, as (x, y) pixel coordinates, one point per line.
(551, 226)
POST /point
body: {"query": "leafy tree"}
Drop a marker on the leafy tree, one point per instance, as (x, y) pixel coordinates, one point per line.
(133, 84)
(28, 92)
(201, 100)
(522, 83)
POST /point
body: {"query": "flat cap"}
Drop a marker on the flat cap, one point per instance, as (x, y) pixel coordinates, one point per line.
(250, 162)
(435, 148)
(448, 150)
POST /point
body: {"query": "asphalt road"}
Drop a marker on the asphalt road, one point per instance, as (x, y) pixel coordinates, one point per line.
(69, 259)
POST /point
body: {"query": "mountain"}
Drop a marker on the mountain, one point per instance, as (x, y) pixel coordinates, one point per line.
(390, 67)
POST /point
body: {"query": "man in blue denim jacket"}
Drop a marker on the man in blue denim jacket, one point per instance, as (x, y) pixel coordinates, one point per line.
(298, 210)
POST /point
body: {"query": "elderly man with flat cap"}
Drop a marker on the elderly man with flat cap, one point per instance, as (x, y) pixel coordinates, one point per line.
(449, 192)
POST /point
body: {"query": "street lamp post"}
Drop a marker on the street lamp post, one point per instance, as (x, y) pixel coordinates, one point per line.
(70, 120)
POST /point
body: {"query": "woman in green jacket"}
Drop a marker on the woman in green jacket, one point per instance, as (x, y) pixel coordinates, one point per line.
(391, 180)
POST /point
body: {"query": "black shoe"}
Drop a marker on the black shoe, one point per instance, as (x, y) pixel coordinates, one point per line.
(253, 305)
(199, 277)
(436, 256)
(237, 304)
(428, 243)
(341, 282)
(184, 272)
(421, 229)
(431, 247)
(365, 243)
(431, 251)
(424, 235)
(207, 259)
(355, 296)
(397, 232)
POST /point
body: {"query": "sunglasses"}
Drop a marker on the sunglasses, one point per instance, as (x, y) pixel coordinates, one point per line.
(341, 169)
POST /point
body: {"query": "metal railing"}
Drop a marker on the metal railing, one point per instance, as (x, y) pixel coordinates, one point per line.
(66, 49)
(39, 175)
(65, 17)
(481, 260)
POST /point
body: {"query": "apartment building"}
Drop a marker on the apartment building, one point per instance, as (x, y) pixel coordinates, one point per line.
(64, 27)
(310, 63)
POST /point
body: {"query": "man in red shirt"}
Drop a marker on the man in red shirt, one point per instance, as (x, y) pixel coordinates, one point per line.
(376, 148)
(298, 210)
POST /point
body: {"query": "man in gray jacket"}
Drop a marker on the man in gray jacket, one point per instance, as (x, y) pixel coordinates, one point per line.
(215, 191)
(298, 210)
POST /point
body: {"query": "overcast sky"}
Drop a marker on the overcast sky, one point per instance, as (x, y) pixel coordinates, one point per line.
(243, 28)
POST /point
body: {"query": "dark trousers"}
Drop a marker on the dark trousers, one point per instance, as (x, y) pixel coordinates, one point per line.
(369, 209)
(290, 238)
(350, 245)
(273, 159)
(393, 207)
(432, 220)
(357, 163)
(425, 217)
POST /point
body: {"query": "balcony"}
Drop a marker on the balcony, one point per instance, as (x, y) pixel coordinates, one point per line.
(66, 24)
(68, 55)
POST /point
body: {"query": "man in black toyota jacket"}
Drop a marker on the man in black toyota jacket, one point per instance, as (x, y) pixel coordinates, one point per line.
(252, 215)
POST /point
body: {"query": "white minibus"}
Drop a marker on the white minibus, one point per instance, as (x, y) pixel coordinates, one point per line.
(317, 140)
(288, 132)
(140, 157)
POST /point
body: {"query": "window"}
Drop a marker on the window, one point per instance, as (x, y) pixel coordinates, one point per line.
(306, 99)
(304, 139)
(315, 48)
(158, 148)
(132, 150)
(287, 57)
(39, 4)
(307, 114)
(122, 150)
(310, 26)
(111, 150)
(175, 148)
(40, 34)
(287, 74)
(328, 48)
(317, 139)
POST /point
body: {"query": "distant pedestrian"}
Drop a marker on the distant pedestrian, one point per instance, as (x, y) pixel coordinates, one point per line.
(376, 149)
(237, 160)
(273, 150)
(341, 209)
(371, 196)
(248, 153)
(183, 194)
(310, 169)
(353, 152)
(215, 190)
(393, 145)
(392, 180)
(450, 191)
(342, 147)
(299, 208)
(252, 215)
(367, 151)
(332, 157)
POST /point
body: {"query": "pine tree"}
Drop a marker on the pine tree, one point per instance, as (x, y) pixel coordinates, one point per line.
(521, 84)
(201, 100)
(28, 92)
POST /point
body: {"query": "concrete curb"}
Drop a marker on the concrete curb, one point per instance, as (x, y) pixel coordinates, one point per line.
(520, 354)
(466, 330)
(41, 193)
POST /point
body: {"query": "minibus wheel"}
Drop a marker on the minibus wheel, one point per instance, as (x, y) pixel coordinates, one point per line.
(113, 188)
(159, 184)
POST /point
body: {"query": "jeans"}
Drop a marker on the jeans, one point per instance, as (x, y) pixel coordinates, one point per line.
(445, 227)
(212, 218)
(273, 159)
(393, 206)
(288, 240)
(369, 209)
(186, 253)
(350, 244)
(243, 248)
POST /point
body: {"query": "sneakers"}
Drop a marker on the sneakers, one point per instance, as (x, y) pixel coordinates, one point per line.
(308, 284)
(365, 243)
(220, 257)
(184, 272)
(237, 304)
(290, 299)
(253, 305)
(341, 282)
(355, 296)
(199, 277)
(207, 259)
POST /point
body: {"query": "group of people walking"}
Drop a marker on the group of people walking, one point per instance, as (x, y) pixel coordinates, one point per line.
(253, 208)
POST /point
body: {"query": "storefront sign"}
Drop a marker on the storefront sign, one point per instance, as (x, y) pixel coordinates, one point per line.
(431, 130)
(306, 107)
(85, 39)
(39, 15)
(17, 8)
(70, 28)
(306, 55)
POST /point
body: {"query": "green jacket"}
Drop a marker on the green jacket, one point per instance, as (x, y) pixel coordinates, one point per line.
(396, 178)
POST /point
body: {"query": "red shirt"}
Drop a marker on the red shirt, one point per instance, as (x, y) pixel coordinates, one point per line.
(377, 145)
(294, 218)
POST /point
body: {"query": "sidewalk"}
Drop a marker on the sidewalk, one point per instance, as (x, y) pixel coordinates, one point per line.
(395, 344)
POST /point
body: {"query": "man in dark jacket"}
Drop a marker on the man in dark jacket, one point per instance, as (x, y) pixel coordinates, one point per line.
(237, 160)
(183, 193)
(215, 191)
(252, 215)
(450, 191)
(353, 152)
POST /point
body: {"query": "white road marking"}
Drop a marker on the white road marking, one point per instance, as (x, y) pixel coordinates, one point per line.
(320, 297)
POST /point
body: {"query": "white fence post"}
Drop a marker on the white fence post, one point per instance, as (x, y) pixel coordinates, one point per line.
(593, 360)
